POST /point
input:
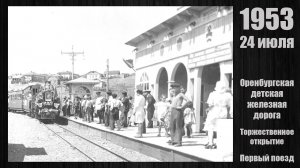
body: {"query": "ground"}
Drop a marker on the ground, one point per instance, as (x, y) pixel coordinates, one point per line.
(28, 140)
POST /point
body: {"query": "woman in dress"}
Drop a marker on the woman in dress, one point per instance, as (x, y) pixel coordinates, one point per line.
(218, 101)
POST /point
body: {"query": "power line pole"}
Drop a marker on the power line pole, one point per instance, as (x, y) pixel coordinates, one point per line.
(73, 54)
(107, 75)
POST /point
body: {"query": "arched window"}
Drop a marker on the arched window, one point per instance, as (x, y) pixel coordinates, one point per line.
(179, 44)
(144, 81)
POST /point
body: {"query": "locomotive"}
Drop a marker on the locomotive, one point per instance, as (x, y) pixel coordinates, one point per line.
(47, 103)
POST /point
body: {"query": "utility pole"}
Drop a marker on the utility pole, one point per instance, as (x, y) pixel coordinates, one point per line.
(72, 54)
(107, 74)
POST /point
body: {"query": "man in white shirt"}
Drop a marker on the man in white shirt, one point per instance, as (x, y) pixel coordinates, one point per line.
(98, 107)
(139, 112)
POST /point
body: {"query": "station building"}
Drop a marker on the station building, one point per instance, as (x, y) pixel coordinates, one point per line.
(81, 87)
(193, 48)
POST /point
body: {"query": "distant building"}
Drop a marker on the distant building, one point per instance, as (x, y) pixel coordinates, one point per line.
(117, 85)
(67, 75)
(16, 79)
(93, 75)
(101, 86)
(55, 80)
(124, 75)
(34, 77)
(112, 74)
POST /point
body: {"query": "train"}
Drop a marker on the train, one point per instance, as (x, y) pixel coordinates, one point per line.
(37, 101)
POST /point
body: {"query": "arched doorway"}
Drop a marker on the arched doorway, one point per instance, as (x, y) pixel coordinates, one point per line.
(81, 91)
(210, 75)
(179, 75)
(162, 82)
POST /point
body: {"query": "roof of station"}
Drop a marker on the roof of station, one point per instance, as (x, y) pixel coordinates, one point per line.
(183, 14)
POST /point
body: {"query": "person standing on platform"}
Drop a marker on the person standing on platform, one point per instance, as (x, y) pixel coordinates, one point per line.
(64, 107)
(77, 107)
(150, 107)
(114, 117)
(130, 113)
(83, 108)
(176, 122)
(80, 109)
(107, 108)
(103, 109)
(99, 107)
(220, 106)
(89, 109)
(167, 117)
(160, 112)
(183, 91)
(139, 112)
(69, 107)
(92, 108)
(124, 109)
(189, 118)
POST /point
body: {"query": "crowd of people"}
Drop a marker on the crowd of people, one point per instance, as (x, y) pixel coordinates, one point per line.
(174, 113)
(110, 110)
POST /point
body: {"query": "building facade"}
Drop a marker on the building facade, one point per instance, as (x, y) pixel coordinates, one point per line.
(192, 48)
(93, 75)
(67, 75)
(112, 74)
(34, 77)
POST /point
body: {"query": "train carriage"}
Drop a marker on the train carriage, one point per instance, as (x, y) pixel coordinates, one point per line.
(15, 101)
(20, 99)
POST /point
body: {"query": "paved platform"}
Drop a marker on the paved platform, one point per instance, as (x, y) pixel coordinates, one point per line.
(192, 149)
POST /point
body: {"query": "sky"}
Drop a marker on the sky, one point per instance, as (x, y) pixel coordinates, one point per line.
(37, 35)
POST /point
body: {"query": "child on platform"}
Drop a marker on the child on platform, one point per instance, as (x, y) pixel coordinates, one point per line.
(189, 118)
(160, 113)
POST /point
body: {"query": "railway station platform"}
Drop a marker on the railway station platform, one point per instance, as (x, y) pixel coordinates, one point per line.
(192, 149)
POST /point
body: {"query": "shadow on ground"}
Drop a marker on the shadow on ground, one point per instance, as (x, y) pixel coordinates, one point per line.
(17, 152)
(61, 121)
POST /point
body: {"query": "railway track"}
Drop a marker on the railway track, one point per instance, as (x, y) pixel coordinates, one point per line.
(90, 154)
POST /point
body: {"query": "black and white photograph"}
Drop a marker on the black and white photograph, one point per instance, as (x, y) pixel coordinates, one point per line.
(120, 84)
